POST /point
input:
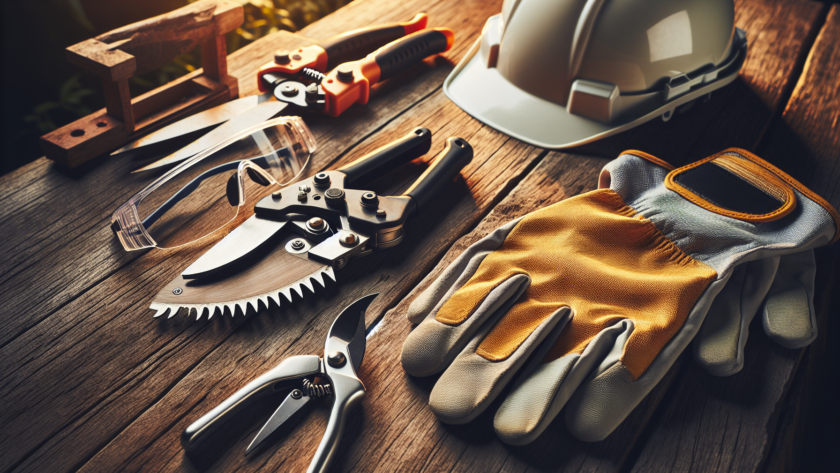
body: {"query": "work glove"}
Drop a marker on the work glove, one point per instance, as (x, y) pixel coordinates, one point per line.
(607, 288)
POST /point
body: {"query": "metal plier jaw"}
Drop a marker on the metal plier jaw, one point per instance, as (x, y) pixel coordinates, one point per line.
(309, 377)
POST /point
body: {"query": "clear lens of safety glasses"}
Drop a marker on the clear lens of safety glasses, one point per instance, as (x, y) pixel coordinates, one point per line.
(205, 193)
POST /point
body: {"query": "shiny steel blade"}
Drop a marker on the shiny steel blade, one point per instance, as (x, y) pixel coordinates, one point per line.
(249, 118)
(195, 124)
(277, 276)
(287, 409)
(251, 236)
(349, 327)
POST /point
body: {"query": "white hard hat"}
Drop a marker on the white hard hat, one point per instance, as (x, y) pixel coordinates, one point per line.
(561, 73)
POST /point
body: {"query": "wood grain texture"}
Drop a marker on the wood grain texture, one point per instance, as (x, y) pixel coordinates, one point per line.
(91, 381)
(730, 424)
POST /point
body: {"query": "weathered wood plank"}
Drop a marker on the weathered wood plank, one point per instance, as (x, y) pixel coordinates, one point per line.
(141, 381)
(729, 424)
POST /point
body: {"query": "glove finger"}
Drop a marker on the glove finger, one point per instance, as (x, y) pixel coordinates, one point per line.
(433, 344)
(457, 274)
(611, 392)
(719, 346)
(544, 388)
(788, 317)
(473, 381)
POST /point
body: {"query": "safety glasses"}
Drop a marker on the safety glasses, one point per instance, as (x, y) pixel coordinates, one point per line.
(206, 192)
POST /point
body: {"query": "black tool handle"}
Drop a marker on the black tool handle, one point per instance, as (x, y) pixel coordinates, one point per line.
(401, 55)
(398, 152)
(356, 44)
(457, 154)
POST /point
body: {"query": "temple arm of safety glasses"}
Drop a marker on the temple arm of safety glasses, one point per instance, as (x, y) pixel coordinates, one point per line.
(185, 191)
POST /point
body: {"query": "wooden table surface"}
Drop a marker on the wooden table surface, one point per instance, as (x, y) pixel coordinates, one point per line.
(90, 381)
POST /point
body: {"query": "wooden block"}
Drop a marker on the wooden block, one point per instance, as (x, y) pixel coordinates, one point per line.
(101, 58)
(142, 47)
(156, 41)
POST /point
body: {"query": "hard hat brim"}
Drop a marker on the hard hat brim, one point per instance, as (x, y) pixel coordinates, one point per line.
(485, 94)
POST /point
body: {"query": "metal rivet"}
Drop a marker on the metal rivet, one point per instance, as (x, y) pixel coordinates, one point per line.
(297, 394)
(302, 196)
(345, 74)
(305, 188)
(298, 244)
(322, 179)
(369, 199)
(177, 291)
(281, 57)
(296, 57)
(381, 213)
(315, 223)
(277, 194)
(336, 359)
(348, 239)
(289, 90)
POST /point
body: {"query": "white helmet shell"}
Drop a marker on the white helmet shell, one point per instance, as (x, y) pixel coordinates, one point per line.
(561, 73)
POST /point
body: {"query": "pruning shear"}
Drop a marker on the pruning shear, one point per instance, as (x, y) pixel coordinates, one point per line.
(315, 78)
(302, 233)
(308, 377)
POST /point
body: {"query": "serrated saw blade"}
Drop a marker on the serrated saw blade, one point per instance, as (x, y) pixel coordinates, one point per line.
(278, 275)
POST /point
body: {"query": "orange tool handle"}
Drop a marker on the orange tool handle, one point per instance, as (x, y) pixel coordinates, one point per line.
(349, 46)
(350, 82)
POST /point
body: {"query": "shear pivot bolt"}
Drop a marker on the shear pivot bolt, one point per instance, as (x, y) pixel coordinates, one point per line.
(289, 90)
(348, 239)
(298, 244)
(315, 224)
(297, 394)
(177, 291)
(334, 195)
(336, 359)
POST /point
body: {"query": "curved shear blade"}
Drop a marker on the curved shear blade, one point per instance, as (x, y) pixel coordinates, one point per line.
(349, 328)
(247, 119)
(252, 235)
(191, 127)
(286, 411)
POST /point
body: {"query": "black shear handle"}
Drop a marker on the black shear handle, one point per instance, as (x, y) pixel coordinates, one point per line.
(356, 44)
(394, 154)
(457, 154)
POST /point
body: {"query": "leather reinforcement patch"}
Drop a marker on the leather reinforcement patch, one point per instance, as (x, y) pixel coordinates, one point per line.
(594, 254)
(733, 184)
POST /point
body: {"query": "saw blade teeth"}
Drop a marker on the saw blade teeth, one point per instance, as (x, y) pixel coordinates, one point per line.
(242, 308)
(307, 283)
(160, 309)
(287, 294)
(273, 298)
(330, 272)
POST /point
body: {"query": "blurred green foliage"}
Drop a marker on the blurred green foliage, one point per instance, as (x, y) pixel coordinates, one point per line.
(71, 94)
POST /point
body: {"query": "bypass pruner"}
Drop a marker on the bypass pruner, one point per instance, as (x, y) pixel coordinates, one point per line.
(309, 377)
